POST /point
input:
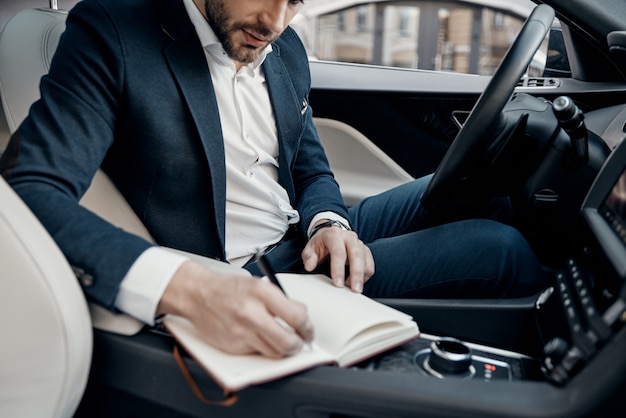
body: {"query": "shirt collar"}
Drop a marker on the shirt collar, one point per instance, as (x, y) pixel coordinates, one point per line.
(208, 39)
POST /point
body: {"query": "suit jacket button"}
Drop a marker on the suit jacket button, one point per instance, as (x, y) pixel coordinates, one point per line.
(86, 280)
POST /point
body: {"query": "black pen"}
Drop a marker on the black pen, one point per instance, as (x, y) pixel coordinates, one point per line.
(266, 269)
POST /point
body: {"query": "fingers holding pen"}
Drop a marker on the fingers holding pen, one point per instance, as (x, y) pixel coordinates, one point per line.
(295, 328)
(237, 314)
(282, 326)
(295, 320)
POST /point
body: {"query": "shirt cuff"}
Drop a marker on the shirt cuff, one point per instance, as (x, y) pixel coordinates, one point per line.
(325, 215)
(143, 286)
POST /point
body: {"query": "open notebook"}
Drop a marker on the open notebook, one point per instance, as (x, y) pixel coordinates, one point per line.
(349, 328)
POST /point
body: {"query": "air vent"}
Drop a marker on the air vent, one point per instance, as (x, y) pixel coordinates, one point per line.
(538, 82)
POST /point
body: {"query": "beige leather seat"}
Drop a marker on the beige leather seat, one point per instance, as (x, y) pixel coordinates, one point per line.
(46, 332)
(361, 168)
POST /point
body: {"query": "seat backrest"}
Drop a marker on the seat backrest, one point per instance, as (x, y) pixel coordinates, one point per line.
(361, 168)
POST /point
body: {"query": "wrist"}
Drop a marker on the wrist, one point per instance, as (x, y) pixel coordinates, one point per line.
(328, 224)
(176, 296)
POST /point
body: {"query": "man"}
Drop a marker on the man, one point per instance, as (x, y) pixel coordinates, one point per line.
(198, 111)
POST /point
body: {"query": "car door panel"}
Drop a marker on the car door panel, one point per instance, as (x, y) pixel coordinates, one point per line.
(408, 114)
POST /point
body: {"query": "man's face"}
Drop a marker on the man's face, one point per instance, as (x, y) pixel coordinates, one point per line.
(246, 27)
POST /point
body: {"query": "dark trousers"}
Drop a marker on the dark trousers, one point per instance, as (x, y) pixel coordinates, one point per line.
(418, 257)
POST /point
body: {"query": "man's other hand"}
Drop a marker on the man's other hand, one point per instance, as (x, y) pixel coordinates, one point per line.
(344, 249)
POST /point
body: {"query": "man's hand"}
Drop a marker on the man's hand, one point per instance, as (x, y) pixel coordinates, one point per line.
(237, 313)
(344, 248)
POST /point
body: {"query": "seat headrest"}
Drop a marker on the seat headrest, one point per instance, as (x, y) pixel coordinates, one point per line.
(27, 44)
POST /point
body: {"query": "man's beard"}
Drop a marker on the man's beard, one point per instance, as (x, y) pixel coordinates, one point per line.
(218, 20)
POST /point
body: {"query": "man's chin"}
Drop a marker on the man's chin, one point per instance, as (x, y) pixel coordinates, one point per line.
(247, 54)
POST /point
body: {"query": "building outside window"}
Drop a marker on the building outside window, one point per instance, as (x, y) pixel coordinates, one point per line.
(458, 36)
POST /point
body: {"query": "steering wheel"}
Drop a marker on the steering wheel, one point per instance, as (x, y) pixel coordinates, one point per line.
(478, 133)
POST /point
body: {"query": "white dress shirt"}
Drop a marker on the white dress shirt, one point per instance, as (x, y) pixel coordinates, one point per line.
(258, 212)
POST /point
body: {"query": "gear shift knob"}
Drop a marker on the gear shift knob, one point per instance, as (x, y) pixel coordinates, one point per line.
(571, 119)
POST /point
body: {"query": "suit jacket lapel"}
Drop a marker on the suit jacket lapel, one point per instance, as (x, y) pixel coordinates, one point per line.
(286, 107)
(189, 69)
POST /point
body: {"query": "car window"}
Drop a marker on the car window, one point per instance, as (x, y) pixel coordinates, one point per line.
(458, 36)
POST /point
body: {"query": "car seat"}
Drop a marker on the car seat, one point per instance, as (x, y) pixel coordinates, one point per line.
(46, 347)
(361, 168)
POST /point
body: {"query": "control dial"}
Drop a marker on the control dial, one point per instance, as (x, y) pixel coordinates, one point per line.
(449, 358)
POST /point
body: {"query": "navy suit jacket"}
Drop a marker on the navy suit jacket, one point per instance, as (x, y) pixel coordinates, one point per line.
(129, 90)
